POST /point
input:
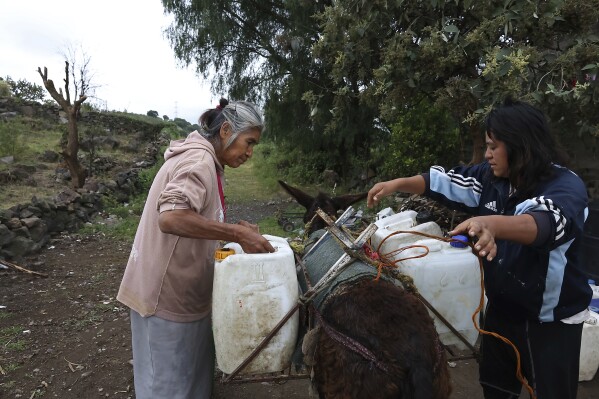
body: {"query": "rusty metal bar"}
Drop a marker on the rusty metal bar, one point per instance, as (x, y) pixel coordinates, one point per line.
(448, 324)
(262, 344)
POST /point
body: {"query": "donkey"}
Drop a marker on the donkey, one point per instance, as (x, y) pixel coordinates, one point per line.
(374, 339)
(329, 205)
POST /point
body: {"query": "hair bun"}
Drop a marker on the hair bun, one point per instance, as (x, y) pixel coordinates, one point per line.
(222, 103)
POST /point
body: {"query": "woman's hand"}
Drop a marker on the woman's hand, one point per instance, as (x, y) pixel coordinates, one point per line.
(483, 230)
(252, 242)
(378, 192)
(487, 229)
(413, 185)
(249, 225)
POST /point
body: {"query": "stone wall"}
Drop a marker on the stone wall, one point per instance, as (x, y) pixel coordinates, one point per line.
(26, 228)
(115, 123)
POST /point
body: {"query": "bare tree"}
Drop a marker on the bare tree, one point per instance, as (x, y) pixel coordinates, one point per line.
(81, 83)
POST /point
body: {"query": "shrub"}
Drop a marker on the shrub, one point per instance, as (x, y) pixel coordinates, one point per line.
(286, 163)
(423, 136)
(26, 90)
(12, 138)
(4, 89)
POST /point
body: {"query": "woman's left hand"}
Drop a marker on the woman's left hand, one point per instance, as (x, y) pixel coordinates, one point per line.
(483, 230)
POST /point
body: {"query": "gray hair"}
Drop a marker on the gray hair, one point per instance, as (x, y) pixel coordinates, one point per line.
(241, 116)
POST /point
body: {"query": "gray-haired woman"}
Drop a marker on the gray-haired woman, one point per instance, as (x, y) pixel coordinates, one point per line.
(168, 279)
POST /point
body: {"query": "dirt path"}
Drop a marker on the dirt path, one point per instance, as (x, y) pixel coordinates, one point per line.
(65, 336)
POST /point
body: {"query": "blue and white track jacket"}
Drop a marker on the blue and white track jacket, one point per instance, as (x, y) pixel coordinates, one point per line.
(543, 281)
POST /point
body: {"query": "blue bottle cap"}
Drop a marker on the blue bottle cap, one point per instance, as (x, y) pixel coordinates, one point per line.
(457, 244)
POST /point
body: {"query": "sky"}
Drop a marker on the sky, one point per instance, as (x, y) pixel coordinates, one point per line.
(130, 59)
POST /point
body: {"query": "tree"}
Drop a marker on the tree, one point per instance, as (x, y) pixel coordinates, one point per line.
(81, 83)
(4, 88)
(25, 90)
(152, 113)
(465, 56)
(260, 50)
(335, 76)
(182, 123)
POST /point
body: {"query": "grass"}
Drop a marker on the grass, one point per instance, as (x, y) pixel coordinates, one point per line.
(243, 185)
(12, 195)
(8, 384)
(88, 318)
(10, 338)
(23, 138)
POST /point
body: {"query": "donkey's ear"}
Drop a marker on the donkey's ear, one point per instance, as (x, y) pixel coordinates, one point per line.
(301, 197)
(343, 201)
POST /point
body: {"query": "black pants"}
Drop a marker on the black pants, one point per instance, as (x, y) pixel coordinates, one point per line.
(549, 356)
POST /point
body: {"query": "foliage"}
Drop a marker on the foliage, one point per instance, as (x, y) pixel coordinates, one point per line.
(465, 55)
(173, 131)
(26, 90)
(4, 88)
(12, 138)
(335, 76)
(182, 123)
(146, 176)
(11, 338)
(141, 118)
(91, 133)
(283, 162)
(152, 113)
(91, 106)
(423, 136)
(261, 51)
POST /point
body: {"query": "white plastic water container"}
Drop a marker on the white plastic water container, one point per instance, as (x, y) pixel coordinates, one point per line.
(395, 221)
(252, 293)
(404, 221)
(384, 213)
(589, 348)
(449, 279)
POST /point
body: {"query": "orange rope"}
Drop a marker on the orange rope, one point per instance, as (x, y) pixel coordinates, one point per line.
(387, 262)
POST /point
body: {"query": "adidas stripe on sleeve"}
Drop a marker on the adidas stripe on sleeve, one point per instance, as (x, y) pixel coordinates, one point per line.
(455, 186)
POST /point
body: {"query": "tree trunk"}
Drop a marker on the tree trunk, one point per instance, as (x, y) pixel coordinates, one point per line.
(71, 150)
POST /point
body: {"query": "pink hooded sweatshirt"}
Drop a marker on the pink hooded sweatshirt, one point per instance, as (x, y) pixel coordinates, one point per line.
(167, 275)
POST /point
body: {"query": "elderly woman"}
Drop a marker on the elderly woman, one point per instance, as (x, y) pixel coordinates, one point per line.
(529, 214)
(168, 279)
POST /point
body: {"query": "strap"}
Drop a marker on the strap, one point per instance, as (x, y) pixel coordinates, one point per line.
(222, 195)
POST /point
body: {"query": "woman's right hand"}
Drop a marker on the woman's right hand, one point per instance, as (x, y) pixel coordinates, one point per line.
(413, 185)
(378, 192)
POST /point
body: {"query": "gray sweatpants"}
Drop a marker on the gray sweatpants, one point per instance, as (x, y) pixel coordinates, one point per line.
(172, 360)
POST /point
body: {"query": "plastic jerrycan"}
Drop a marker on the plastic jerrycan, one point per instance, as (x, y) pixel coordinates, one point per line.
(252, 293)
(403, 221)
(449, 278)
(589, 346)
(388, 222)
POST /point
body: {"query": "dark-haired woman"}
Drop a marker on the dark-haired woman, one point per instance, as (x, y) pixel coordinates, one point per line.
(168, 279)
(530, 215)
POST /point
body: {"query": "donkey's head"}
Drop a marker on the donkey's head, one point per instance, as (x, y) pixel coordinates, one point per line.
(329, 205)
